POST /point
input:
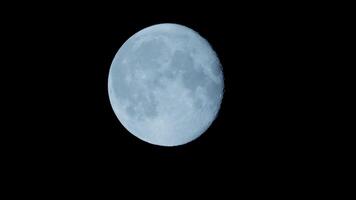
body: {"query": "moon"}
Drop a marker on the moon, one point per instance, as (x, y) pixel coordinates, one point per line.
(166, 84)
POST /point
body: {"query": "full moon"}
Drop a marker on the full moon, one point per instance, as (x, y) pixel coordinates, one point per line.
(166, 85)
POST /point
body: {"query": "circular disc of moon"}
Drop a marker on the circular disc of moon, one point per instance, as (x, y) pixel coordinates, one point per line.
(166, 85)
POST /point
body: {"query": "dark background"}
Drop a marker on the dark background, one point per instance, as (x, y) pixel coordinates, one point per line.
(62, 124)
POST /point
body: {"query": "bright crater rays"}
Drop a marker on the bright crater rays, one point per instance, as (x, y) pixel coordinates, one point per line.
(166, 85)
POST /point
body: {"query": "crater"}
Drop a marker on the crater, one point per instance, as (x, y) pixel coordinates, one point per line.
(142, 108)
(150, 54)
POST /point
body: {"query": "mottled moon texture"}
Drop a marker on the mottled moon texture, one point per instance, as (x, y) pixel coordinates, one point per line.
(166, 85)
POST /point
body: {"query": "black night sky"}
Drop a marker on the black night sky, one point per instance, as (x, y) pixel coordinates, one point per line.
(64, 124)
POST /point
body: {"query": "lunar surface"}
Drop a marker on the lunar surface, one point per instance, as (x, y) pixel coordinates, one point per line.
(166, 85)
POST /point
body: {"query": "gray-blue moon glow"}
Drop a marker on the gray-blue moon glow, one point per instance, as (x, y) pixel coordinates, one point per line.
(166, 85)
